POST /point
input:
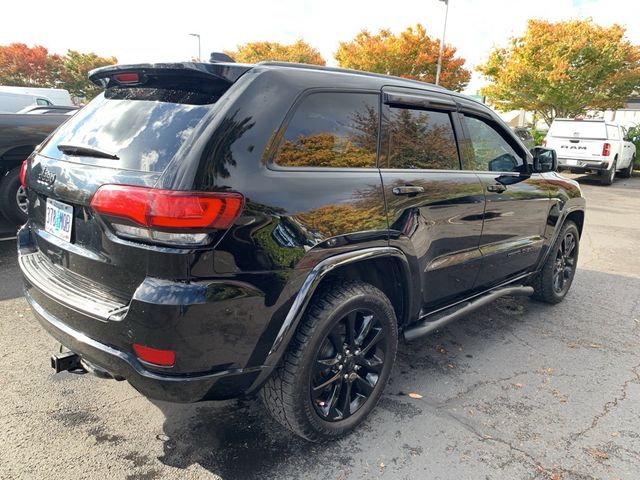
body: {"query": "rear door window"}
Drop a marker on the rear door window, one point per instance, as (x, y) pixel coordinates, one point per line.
(421, 139)
(332, 130)
(144, 127)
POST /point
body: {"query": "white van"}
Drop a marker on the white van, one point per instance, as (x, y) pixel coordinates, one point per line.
(57, 96)
(14, 102)
(592, 146)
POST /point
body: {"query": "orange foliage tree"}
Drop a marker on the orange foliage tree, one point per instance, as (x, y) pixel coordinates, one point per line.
(563, 69)
(411, 54)
(25, 66)
(297, 52)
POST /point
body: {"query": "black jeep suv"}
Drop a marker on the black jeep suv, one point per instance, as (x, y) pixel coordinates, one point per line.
(207, 231)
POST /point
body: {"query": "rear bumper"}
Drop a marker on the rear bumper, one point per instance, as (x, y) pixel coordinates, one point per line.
(583, 165)
(214, 327)
(172, 388)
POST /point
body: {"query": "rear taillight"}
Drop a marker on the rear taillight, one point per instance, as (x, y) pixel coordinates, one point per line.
(544, 142)
(167, 216)
(155, 356)
(606, 149)
(23, 173)
(127, 78)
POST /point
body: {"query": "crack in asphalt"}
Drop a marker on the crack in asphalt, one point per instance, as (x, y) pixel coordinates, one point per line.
(532, 461)
(479, 384)
(606, 409)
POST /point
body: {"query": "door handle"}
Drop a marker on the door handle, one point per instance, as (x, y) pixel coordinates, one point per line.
(496, 188)
(407, 190)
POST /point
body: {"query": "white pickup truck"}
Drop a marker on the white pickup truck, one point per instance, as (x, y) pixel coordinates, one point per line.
(592, 146)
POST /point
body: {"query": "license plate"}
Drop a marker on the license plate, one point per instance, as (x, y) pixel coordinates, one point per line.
(59, 219)
(572, 162)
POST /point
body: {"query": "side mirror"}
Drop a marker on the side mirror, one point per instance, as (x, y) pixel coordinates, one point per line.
(544, 160)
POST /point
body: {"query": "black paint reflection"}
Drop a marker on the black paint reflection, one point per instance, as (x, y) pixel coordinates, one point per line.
(217, 157)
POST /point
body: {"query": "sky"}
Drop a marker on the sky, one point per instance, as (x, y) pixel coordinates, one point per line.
(137, 31)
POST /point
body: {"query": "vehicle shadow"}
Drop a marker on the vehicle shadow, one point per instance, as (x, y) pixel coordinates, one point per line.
(591, 179)
(238, 440)
(11, 285)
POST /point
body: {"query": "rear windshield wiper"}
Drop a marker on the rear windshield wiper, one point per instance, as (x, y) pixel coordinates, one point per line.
(87, 151)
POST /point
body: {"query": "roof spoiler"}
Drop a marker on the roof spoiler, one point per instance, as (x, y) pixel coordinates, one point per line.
(217, 57)
(140, 74)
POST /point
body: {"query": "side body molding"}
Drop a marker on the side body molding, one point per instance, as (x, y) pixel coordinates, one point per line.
(313, 280)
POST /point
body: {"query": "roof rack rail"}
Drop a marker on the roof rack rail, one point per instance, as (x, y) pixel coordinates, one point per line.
(323, 68)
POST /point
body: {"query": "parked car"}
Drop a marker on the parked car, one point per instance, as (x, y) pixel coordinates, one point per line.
(592, 146)
(524, 134)
(19, 135)
(209, 231)
(57, 96)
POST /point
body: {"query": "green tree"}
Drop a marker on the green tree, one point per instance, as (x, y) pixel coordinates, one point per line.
(563, 69)
(410, 54)
(75, 67)
(297, 52)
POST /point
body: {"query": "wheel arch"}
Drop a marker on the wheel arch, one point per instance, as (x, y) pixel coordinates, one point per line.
(577, 217)
(358, 264)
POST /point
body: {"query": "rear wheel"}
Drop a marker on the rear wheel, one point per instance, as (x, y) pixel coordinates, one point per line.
(13, 198)
(609, 175)
(337, 364)
(554, 280)
(627, 172)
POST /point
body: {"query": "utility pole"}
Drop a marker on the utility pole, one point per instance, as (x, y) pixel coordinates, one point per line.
(199, 51)
(444, 31)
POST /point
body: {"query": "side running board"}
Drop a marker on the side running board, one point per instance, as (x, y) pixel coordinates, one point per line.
(438, 320)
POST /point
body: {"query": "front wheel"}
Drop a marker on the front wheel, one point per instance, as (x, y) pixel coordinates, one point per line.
(337, 364)
(553, 282)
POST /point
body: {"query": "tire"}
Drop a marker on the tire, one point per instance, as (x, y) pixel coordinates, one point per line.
(12, 196)
(627, 172)
(547, 285)
(609, 175)
(307, 393)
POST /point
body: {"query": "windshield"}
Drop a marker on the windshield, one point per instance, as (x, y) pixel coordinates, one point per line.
(142, 127)
(578, 129)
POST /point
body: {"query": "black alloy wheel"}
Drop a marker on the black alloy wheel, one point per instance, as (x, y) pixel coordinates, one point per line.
(552, 283)
(348, 366)
(565, 263)
(337, 364)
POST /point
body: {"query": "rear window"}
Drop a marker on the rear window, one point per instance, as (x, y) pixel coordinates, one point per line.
(578, 129)
(144, 127)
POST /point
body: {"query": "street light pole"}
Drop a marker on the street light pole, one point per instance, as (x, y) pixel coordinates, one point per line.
(199, 51)
(444, 31)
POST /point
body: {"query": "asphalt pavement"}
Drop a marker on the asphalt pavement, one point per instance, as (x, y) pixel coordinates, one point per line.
(517, 390)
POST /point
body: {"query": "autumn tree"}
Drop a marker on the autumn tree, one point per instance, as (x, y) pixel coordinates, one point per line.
(75, 67)
(410, 54)
(297, 52)
(563, 69)
(24, 66)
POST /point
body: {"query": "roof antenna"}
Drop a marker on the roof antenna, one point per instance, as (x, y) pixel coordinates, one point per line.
(217, 57)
